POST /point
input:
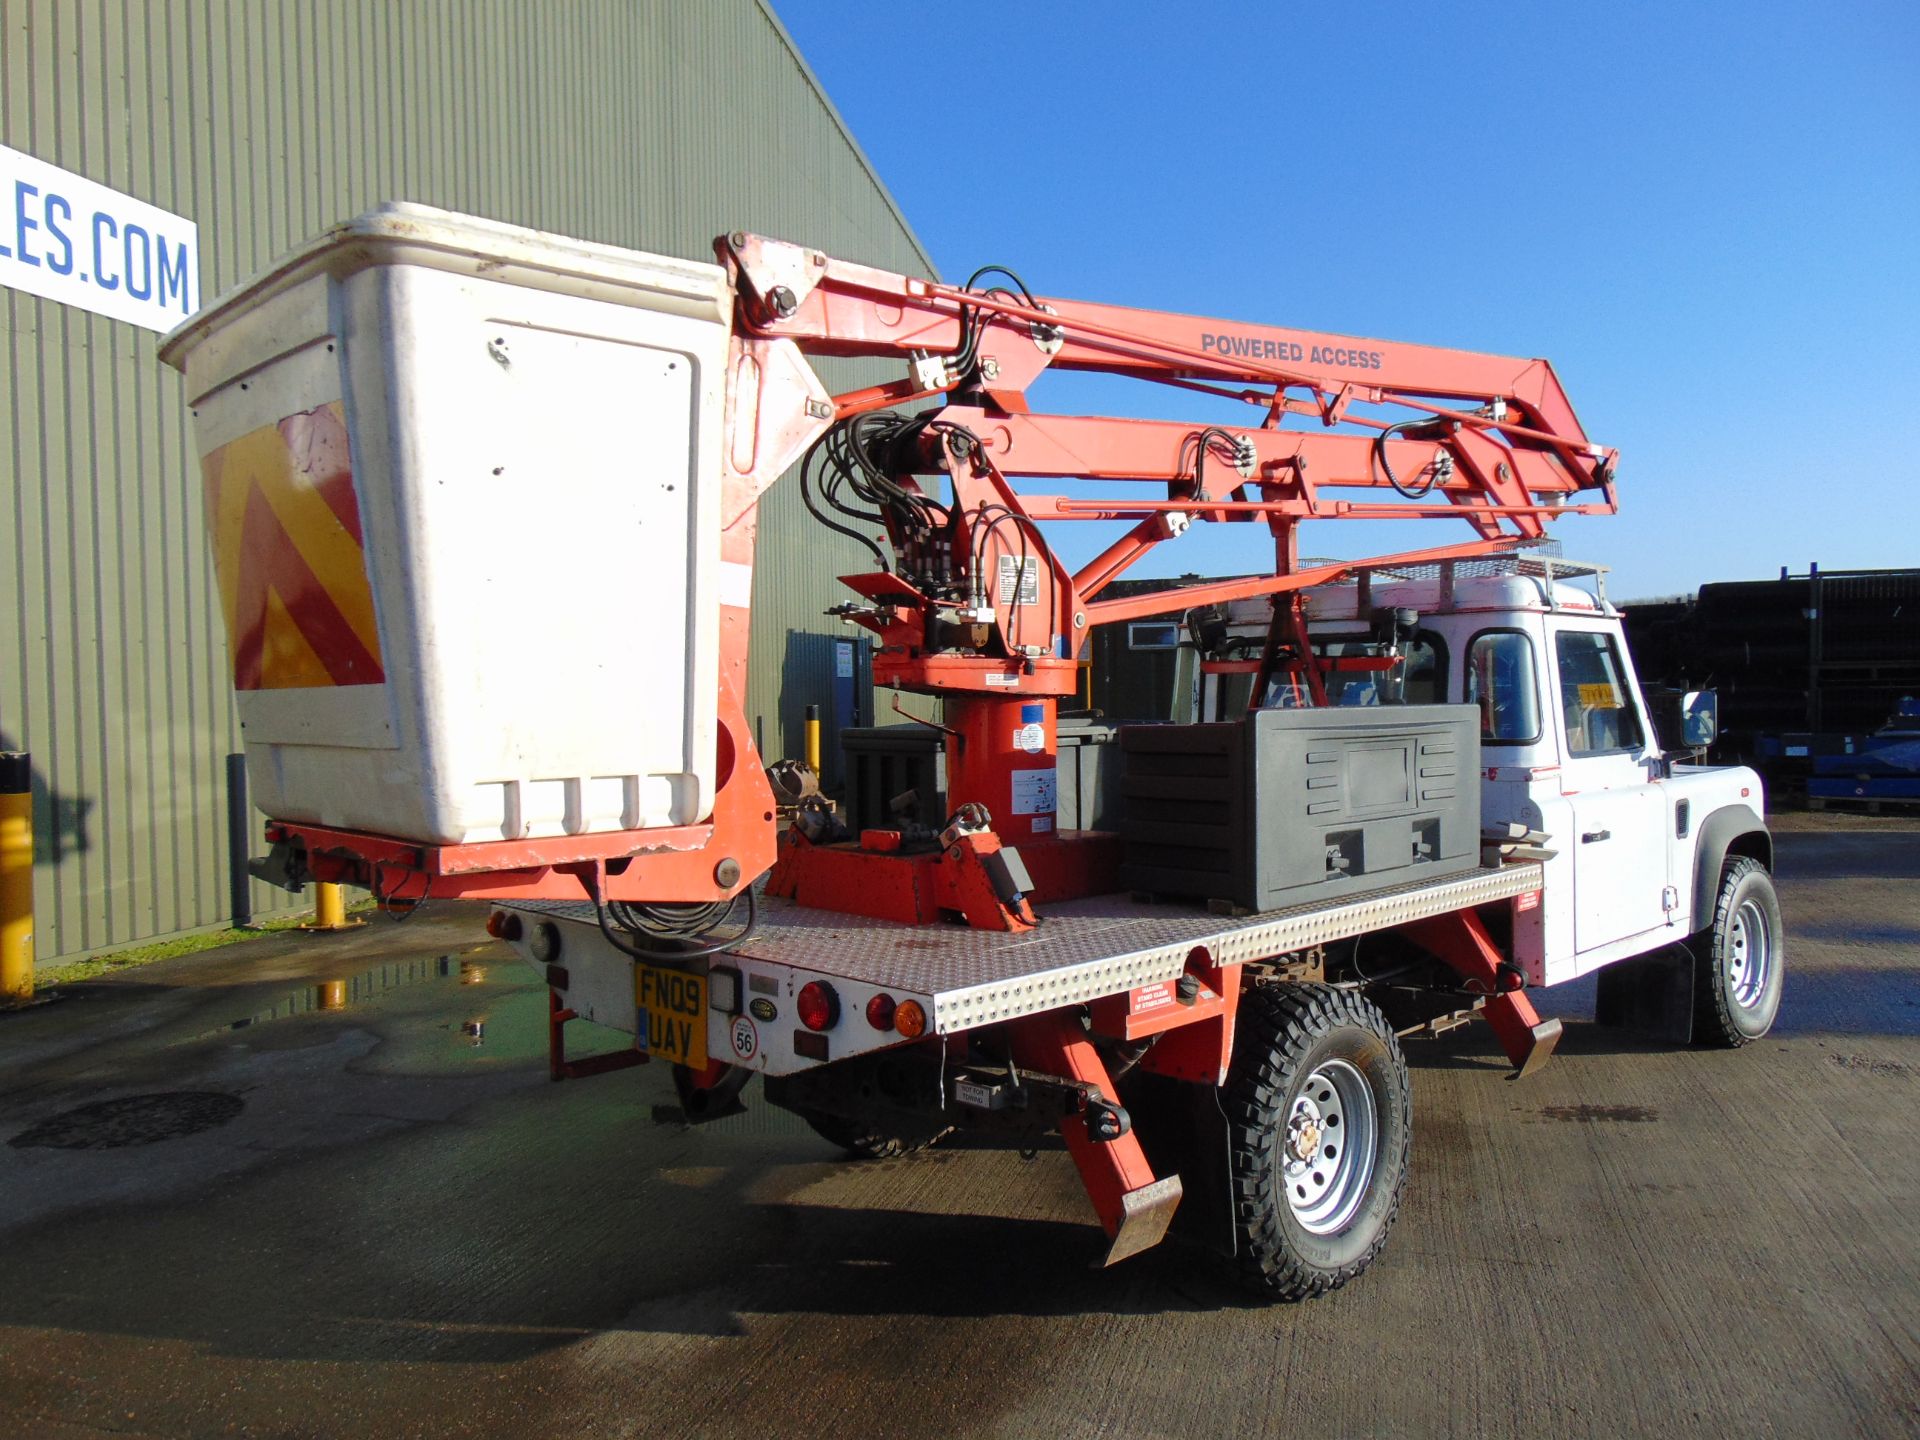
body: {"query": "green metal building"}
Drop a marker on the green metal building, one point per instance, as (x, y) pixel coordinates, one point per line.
(645, 123)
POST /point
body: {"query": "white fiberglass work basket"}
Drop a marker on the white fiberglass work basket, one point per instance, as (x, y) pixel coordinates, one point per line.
(462, 482)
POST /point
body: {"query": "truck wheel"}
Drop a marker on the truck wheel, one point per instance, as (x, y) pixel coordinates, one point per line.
(1319, 1117)
(872, 1142)
(1739, 962)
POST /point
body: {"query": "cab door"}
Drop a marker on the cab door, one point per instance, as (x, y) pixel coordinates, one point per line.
(1608, 764)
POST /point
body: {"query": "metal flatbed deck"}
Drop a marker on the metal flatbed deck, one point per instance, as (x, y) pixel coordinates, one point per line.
(1084, 949)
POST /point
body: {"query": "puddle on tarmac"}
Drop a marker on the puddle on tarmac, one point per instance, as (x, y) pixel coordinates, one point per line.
(374, 984)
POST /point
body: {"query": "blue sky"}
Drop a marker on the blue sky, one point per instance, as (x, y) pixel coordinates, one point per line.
(1707, 216)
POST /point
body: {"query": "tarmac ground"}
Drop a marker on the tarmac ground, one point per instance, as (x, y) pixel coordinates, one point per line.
(236, 1199)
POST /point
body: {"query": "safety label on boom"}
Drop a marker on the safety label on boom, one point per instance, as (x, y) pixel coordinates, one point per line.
(1028, 569)
(1035, 792)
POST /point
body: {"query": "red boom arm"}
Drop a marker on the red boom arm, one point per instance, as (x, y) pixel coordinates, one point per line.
(1485, 438)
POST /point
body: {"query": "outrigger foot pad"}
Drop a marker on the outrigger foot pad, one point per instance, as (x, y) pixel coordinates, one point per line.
(1144, 1216)
(1546, 1035)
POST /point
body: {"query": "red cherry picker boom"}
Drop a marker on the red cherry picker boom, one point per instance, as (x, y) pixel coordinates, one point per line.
(992, 972)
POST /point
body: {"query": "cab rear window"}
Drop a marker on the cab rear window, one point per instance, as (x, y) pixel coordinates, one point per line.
(1418, 677)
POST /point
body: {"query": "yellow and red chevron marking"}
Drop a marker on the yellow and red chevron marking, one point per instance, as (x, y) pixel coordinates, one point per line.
(288, 552)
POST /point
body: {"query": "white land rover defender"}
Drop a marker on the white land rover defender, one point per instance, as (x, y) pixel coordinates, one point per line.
(1640, 849)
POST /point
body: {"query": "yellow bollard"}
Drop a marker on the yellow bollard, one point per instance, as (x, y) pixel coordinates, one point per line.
(330, 909)
(813, 738)
(16, 879)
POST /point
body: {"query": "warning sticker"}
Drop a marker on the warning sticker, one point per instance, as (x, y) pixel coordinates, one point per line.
(1028, 570)
(1156, 996)
(1600, 697)
(1035, 792)
(1030, 738)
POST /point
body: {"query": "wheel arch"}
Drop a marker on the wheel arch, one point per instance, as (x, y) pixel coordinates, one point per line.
(1729, 831)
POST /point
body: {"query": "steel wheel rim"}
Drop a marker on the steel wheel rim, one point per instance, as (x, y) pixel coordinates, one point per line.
(1749, 955)
(1327, 1148)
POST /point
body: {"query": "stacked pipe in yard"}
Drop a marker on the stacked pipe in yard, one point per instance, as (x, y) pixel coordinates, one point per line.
(1784, 662)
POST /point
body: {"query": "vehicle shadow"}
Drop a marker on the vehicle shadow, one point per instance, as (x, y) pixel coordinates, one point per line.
(1474, 1047)
(503, 1231)
(874, 1262)
(286, 1293)
(1828, 1000)
(1803, 856)
(1855, 1000)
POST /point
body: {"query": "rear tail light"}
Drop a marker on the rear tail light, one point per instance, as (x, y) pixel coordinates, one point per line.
(503, 925)
(880, 1012)
(910, 1020)
(819, 1007)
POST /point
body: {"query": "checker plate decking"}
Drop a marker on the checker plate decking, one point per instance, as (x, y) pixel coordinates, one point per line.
(1084, 949)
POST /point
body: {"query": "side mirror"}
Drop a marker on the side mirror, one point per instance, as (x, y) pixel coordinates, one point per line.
(1699, 718)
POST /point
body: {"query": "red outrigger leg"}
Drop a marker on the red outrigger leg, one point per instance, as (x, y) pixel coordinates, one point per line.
(1462, 942)
(1134, 1207)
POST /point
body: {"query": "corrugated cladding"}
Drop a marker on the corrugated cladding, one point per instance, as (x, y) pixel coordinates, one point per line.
(636, 122)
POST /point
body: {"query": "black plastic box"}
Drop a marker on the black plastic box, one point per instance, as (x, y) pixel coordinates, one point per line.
(1289, 806)
(883, 761)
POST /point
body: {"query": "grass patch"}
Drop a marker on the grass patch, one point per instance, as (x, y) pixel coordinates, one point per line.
(138, 955)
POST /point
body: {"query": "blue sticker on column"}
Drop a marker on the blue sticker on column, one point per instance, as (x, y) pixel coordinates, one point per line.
(1032, 714)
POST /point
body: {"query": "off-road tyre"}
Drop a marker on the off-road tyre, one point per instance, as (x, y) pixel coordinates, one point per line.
(1286, 1035)
(863, 1143)
(1739, 961)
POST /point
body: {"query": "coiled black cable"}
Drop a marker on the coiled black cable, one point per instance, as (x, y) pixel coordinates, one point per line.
(807, 483)
(973, 322)
(1201, 442)
(989, 518)
(1385, 465)
(686, 925)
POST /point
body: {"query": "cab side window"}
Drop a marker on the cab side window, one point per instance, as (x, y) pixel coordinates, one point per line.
(1500, 680)
(1594, 694)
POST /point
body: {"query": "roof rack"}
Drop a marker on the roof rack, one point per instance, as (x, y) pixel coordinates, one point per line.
(1540, 560)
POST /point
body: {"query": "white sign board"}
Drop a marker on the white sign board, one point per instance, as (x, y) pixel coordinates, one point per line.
(65, 238)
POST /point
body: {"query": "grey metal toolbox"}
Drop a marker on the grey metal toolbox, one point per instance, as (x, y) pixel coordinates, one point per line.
(1088, 766)
(1287, 806)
